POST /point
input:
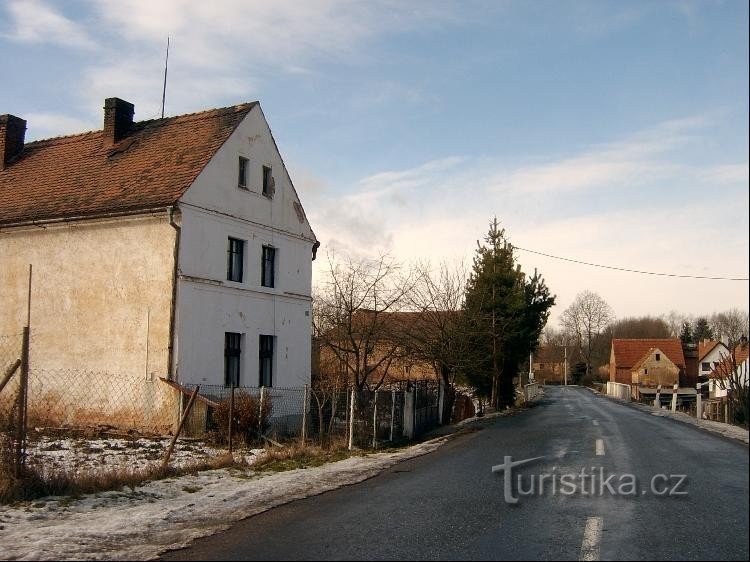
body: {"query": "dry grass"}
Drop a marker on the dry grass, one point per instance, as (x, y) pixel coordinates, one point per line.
(38, 483)
(298, 455)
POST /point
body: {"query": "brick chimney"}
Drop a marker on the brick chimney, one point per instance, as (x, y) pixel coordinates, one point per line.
(118, 119)
(12, 133)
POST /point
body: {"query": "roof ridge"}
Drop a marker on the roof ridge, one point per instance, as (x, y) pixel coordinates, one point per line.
(199, 114)
(73, 137)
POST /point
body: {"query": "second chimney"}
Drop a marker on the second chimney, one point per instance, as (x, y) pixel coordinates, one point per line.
(12, 134)
(118, 119)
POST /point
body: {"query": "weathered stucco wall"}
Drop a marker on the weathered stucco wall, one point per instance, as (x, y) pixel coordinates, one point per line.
(652, 373)
(100, 314)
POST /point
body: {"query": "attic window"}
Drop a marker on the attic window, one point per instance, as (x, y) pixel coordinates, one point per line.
(242, 172)
(658, 356)
(267, 182)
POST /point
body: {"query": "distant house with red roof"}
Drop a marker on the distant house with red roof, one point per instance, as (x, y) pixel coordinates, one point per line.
(710, 353)
(647, 363)
(626, 353)
(174, 247)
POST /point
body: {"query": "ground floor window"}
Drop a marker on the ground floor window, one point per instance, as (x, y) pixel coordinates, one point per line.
(232, 352)
(266, 360)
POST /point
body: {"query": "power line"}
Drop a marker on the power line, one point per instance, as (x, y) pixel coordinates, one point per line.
(633, 270)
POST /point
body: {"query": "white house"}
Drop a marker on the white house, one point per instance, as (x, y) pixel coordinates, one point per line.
(710, 354)
(173, 248)
(718, 382)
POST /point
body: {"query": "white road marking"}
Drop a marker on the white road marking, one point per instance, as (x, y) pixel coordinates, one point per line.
(592, 536)
(600, 447)
(595, 422)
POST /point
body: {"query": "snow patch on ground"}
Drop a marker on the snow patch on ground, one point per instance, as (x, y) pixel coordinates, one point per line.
(169, 514)
(91, 456)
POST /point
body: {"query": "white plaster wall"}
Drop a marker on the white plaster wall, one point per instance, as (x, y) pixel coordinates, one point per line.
(214, 209)
(714, 356)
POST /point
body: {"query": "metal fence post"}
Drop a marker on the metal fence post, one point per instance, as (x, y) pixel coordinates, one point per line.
(393, 411)
(375, 422)
(231, 416)
(351, 421)
(260, 411)
(304, 414)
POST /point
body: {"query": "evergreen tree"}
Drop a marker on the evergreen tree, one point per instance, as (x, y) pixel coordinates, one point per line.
(505, 315)
(686, 334)
(702, 330)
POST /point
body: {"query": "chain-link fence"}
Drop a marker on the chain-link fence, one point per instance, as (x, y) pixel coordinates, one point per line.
(364, 418)
(11, 413)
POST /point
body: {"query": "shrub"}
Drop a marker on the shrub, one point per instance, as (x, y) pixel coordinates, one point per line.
(248, 418)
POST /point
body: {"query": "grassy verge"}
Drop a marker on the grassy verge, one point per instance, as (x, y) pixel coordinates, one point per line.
(298, 455)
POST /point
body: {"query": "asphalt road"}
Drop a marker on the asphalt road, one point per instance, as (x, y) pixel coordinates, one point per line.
(450, 505)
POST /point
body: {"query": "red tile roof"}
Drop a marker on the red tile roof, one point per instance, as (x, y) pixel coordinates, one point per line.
(629, 352)
(705, 347)
(80, 175)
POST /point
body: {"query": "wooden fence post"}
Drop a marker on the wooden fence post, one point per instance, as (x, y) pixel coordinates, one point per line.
(20, 460)
(165, 462)
(9, 374)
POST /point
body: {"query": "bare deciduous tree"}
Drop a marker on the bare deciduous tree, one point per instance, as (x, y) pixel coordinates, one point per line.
(731, 375)
(585, 320)
(729, 326)
(432, 333)
(351, 309)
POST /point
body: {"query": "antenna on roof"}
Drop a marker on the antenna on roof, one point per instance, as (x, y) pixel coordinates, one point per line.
(164, 91)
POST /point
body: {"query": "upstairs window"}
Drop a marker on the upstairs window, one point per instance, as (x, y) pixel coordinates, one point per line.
(705, 366)
(232, 351)
(658, 356)
(242, 172)
(268, 266)
(235, 255)
(267, 182)
(266, 361)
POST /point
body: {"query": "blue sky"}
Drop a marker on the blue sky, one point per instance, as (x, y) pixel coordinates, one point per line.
(613, 132)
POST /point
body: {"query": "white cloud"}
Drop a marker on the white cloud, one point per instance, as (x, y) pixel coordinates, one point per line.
(438, 210)
(33, 21)
(45, 125)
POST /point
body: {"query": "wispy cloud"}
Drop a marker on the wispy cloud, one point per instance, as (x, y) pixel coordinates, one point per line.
(49, 124)
(33, 21)
(438, 210)
(628, 162)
